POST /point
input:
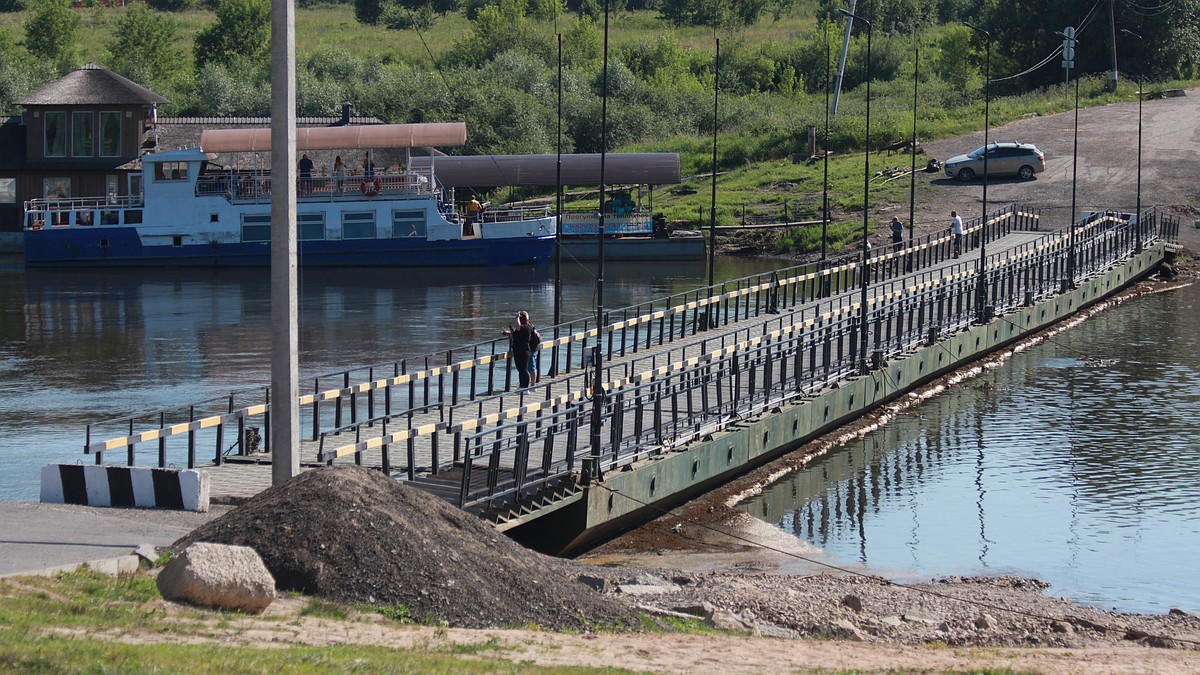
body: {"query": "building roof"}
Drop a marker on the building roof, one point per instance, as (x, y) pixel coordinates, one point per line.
(92, 84)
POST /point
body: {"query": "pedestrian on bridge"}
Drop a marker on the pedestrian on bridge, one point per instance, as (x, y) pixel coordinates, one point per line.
(521, 346)
(956, 225)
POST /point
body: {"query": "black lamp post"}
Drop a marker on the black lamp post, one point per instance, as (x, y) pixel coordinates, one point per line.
(825, 183)
(912, 182)
(598, 349)
(866, 246)
(1137, 230)
(981, 290)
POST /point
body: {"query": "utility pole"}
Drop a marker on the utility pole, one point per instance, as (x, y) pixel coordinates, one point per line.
(1112, 25)
(837, 87)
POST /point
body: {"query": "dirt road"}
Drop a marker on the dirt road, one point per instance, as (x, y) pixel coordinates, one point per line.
(1107, 169)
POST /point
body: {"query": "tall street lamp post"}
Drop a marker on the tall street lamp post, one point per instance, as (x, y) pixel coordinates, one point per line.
(981, 289)
(1137, 229)
(866, 246)
(1069, 282)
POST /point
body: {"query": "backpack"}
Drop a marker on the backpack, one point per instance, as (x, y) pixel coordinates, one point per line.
(535, 340)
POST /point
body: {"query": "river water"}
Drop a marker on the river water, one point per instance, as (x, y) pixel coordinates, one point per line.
(83, 346)
(1057, 466)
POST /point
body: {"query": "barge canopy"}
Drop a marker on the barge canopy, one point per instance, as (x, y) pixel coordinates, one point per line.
(356, 137)
(480, 171)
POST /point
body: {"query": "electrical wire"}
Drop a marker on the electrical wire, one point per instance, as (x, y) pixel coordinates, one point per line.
(888, 582)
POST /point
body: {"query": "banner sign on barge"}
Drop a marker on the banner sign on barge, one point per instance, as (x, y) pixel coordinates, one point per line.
(588, 224)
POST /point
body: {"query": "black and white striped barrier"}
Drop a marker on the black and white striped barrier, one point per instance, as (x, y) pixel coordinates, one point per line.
(125, 486)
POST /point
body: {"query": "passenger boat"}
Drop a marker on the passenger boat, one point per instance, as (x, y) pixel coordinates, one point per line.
(185, 209)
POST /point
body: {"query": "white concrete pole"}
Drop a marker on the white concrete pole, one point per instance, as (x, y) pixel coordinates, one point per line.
(285, 366)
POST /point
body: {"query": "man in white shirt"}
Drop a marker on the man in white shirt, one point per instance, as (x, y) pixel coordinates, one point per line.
(956, 225)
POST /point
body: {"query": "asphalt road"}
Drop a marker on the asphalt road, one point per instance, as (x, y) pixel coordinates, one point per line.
(38, 538)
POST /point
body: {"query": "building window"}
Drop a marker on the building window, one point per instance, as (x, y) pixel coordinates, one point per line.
(56, 134)
(110, 134)
(83, 134)
(56, 188)
(8, 190)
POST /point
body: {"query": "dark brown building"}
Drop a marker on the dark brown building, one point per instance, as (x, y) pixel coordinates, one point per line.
(72, 139)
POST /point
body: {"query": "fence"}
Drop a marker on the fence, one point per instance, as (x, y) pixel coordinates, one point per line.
(453, 393)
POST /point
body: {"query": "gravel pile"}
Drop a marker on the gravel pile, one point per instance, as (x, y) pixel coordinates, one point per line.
(957, 611)
(355, 536)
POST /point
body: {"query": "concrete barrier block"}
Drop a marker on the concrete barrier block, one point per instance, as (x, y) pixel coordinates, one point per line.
(125, 486)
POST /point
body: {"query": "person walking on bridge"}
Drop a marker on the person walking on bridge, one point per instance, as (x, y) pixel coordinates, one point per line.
(521, 346)
(956, 225)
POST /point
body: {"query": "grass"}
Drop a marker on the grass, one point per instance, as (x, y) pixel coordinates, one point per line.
(47, 626)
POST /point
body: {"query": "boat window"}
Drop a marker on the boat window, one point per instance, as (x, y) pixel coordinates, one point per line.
(83, 132)
(358, 225)
(56, 134)
(133, 217)
(83, 218)
(8, 190)
(312, 226)
(408, 224)
(109, 217)
(256, 227)
(170, 171)
(110, 134)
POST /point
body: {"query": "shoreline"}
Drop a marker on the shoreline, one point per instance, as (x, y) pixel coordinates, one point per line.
(690, 538)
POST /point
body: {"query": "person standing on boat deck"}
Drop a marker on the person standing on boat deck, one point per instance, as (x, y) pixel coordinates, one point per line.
(473, 210)
(956, 225)
(368, 165)
(305, 167)
(520, 342)
(339, 173)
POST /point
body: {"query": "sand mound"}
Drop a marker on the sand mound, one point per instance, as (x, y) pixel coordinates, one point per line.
(353, 535)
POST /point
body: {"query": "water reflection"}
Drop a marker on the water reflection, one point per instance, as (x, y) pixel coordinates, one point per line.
(1051, 466)
(76, 346)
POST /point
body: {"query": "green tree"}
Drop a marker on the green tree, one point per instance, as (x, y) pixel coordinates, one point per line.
(51, 32)
(145, 46)
(369, 11)
(242, 31)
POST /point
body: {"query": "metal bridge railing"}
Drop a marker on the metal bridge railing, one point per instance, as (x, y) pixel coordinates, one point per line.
(402, 394)
(654, 414)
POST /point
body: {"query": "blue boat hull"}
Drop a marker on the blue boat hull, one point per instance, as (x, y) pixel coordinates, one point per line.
(121, 246)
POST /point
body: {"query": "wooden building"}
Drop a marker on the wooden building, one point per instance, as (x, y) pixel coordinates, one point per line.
(73, 139)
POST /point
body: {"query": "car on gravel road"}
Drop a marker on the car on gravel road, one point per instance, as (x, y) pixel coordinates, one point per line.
(1022, 160)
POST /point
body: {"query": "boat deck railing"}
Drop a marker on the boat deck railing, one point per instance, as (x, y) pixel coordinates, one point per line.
(78, 211)
(254, 187)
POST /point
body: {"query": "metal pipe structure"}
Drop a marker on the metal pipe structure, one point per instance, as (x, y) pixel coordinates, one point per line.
(981, 292)
(1137, 246)
(866, 247)
(285, 359)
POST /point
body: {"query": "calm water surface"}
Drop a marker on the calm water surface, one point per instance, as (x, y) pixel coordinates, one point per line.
(1085, 475)
(77, 347)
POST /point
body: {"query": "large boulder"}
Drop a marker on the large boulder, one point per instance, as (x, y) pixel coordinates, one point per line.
(220, 576)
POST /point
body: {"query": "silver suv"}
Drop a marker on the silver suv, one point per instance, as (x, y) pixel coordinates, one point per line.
(1004, 159)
